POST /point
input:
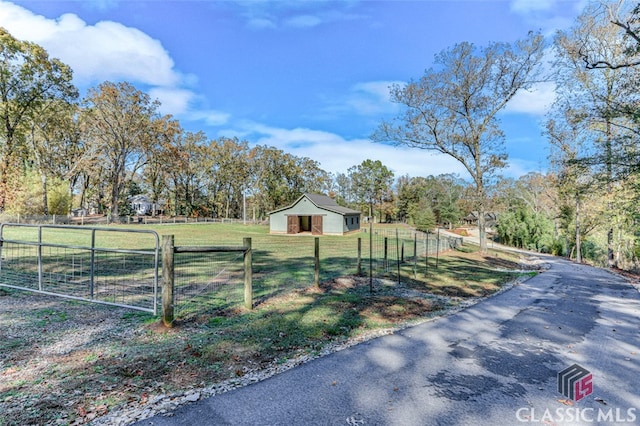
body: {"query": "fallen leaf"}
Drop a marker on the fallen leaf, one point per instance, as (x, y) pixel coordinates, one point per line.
(566, 402)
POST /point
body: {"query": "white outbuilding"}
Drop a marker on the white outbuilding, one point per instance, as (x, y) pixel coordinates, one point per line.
(315, 214)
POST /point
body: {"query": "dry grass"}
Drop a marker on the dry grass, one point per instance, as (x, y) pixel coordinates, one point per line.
(67, 362)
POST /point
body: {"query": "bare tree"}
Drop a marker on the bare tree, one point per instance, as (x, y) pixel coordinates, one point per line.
(452, 109)
(597, 97)
(621, 19)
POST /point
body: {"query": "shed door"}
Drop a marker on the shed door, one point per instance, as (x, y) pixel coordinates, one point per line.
(292, 225)
(316, 225)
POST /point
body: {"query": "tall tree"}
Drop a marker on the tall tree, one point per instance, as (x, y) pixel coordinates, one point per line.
(574, 180)
(453, 109)
(596, 97)
(279, 177)
(118, 126)
(191, 160)
(621, 17)
(229, 175)
(372, 184)
(54, 145)
(157, 171)
(28, 78)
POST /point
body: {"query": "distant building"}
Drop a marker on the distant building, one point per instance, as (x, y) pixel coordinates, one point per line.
(490, 219)
(141, 206)
(315, 214)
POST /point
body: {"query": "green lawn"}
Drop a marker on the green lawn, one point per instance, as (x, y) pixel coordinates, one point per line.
(281, 263)
(216, 339)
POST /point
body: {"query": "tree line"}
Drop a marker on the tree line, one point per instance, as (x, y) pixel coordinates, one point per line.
(58, 151)
(591, 189)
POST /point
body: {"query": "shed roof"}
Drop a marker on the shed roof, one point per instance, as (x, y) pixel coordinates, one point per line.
(321, 202)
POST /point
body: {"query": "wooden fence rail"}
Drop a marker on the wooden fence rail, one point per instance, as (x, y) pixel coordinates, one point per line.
(168, 272)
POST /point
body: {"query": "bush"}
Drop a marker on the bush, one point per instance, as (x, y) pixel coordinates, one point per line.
(424, 219)
(29, 199)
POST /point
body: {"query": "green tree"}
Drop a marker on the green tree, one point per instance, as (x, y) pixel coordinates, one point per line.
(230, 175)
(595, 97)
(28, 78)
(452, 109)
(441, 195)
(118, 126)
(53, 145)
(280, 178)
(525, 228)
(189, 168)
(371, 184)
(160, 159)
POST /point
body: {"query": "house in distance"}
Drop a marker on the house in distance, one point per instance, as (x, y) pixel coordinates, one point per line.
(315, 214)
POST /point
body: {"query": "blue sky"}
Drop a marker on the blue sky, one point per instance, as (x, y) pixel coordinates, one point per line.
(308, 77)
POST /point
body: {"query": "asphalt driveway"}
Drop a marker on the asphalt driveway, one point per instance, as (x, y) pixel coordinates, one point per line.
(495, 363)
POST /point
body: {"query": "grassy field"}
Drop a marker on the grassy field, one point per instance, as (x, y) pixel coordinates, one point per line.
(280, 262)
(67, 362)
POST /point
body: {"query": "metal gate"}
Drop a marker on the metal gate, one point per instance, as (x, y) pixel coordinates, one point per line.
(103, 265)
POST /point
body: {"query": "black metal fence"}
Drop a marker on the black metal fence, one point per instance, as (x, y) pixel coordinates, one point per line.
(392, 248)
(121, 266)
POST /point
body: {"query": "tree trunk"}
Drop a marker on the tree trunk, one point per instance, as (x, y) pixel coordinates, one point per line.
(45, 201)
(482, 232)
(115, 196)
(578, 236)
(609, 159)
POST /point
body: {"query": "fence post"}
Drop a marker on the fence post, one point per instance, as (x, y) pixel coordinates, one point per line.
(398, 254)
(438, 248)
(359, 270)
(248, 273)
(385, 263)
(415, 256)
(167, 280)
(316, 255)
(40, 274)
(426, 255)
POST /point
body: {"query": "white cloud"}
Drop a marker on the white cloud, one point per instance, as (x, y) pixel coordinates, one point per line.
(548, 15)
(535, 101)
(336, 154)
(303, 21)
(261, 23)
(104, 51)
(296, 14)
(367, 99)
(174, 101)
(210, 117)
(372, 98)
(528, 6)
(519, 167)
(111, 51)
